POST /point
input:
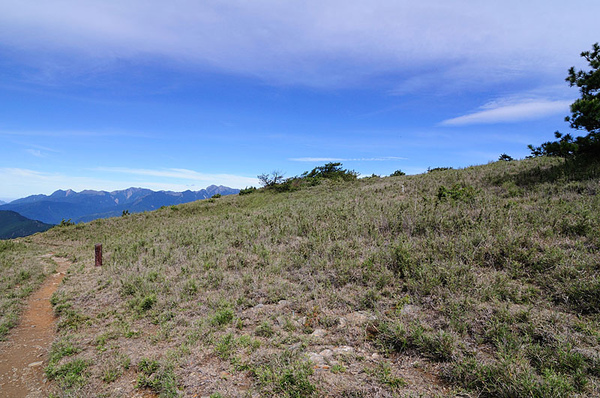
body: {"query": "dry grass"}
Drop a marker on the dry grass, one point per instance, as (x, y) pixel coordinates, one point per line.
(483, 281)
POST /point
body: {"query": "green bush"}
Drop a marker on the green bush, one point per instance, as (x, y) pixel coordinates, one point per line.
(510, 376)
(435, 169)
(7, 245)
(65, 223)
(332, 171)
(457, 192)
(222, 317)
(393, 336)
(147, 302)
(247, 191)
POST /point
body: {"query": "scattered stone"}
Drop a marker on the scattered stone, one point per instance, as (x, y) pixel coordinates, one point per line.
(258, 306)
(283, 303)
(319, 333)
(342, 323)
(321, 361)
(359, 318)
(316, 358)
(36, 364)
(588, 354)
(225, 375)
(246, 315)
(327, 353)
(409, 309)
(343, 350)
(295, 346)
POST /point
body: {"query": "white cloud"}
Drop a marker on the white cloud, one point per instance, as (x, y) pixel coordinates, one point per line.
(305, 42)
(379, 159)
(499, 112)
(317, 159)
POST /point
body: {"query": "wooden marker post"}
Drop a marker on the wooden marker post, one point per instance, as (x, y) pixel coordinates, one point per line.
(99, 255)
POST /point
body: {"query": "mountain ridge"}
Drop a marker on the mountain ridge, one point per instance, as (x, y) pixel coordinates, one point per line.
(14, 225)
(88, 205)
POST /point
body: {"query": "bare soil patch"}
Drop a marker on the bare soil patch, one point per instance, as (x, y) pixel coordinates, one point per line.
(23, 355)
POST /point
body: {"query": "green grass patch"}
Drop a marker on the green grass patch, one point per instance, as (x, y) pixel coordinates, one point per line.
(285, 375)
(158, 377)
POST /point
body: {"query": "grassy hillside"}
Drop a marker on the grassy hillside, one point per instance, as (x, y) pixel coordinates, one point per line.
(483, 281)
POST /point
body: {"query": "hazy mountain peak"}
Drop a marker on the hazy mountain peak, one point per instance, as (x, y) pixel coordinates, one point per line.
(92, 192)
(56, 194)
(89, 204)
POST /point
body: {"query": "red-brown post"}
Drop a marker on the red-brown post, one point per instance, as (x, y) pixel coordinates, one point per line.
(99, 255)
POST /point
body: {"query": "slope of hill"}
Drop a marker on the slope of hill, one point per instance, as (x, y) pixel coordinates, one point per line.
(89, 205)
(14, 225)
(476, 282)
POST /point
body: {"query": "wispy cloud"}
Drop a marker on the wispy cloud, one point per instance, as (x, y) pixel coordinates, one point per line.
(69, 134)
(315, 43)
(19, 182)
(34, 152)
(41, 147)
(379, 159)
(185, 174)
(497, 112)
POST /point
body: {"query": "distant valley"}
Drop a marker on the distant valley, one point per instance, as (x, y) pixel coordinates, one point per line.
(89, 205)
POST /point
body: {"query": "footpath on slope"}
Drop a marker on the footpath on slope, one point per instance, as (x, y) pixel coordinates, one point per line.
(24, 355)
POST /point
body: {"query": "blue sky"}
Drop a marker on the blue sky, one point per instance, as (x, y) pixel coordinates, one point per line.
(102, 94)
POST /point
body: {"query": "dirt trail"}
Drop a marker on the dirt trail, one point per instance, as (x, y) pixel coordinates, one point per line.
(24, 355)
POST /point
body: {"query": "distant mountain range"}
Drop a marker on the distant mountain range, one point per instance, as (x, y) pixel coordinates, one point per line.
(14, 225)
(90, 205)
